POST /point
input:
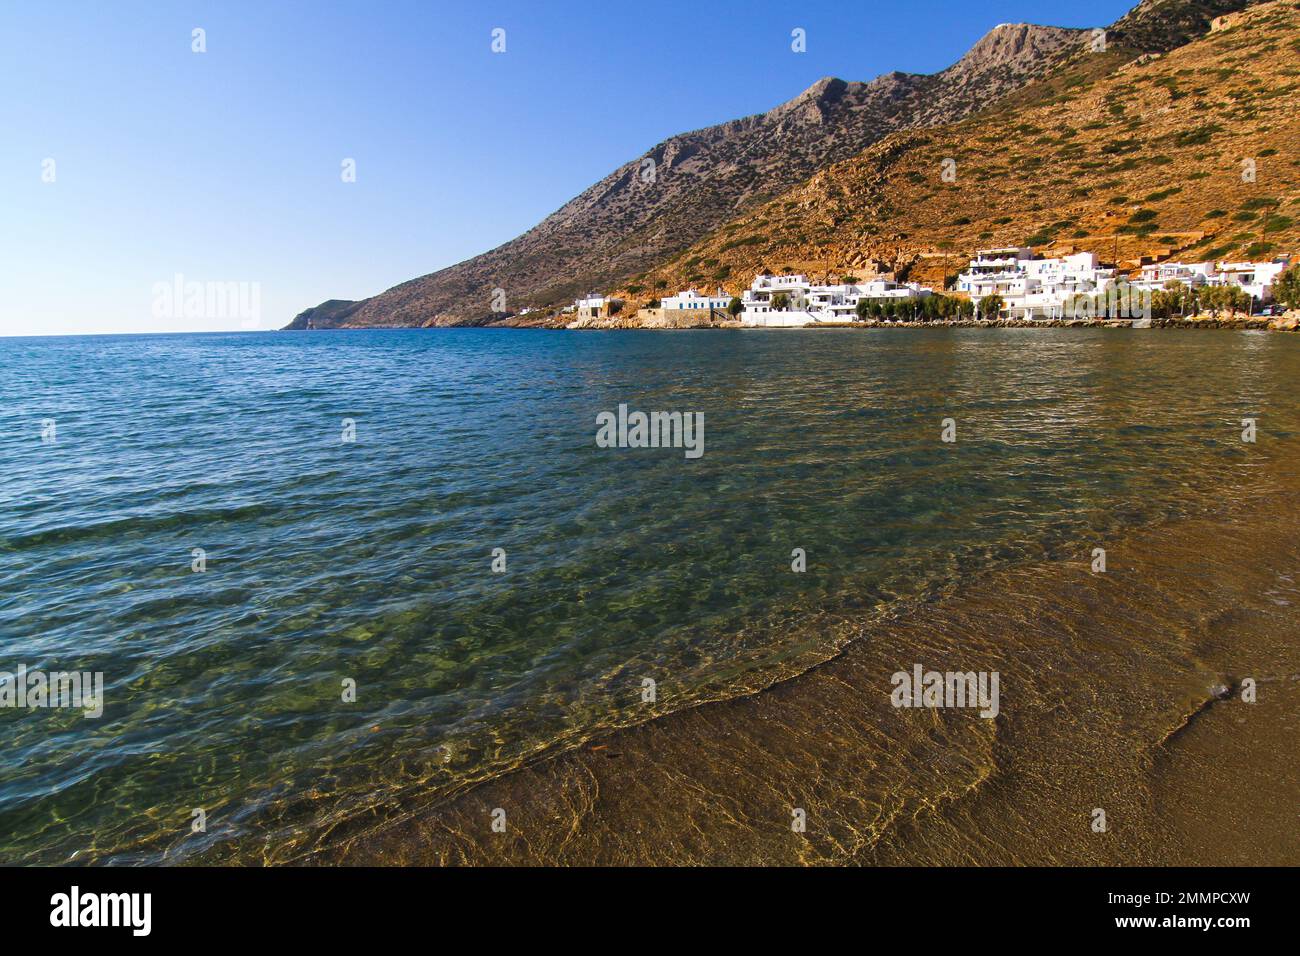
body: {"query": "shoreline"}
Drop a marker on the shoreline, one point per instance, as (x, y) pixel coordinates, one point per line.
(1239, 323)
(1287, 322)
(1198, 323)
(1113, 697)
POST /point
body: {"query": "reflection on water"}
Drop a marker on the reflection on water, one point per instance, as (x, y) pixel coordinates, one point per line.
(372, 560)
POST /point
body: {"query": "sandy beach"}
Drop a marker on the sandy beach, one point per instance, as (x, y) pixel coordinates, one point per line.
(1120, 691)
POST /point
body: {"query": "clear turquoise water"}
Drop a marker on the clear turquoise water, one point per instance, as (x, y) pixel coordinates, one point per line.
(372, 560)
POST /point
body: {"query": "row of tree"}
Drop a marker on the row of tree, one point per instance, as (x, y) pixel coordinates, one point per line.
(925, 309)
(1177, 298)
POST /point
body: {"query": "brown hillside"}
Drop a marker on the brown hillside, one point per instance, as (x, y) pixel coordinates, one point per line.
(1146, 160)
(620, 228)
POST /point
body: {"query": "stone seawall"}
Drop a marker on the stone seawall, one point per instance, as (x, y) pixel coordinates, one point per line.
(661, 319)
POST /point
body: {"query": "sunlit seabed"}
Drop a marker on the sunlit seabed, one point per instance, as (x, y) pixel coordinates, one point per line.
(372, 560)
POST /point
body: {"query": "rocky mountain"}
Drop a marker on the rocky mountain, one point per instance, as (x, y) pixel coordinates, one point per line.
(694, 209)
(1190, 153)
(664, 200)
(1157, 26)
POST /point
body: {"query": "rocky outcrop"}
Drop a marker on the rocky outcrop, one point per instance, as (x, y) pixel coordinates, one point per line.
(329, 314)
(1157, 26)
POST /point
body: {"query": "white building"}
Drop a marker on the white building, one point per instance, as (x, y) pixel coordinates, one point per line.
(809, 304)
(759, 296)
(1191, 274)
(996, 272)
(1254, 278)
(690, 300)
(1032, 288)
(592, 306)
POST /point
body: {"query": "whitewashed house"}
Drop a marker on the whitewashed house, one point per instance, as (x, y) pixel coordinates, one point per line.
(592, 306)
(1254, 278)
(810, 304)
(1191, 274)
(996, 272)
(764, 288)
(1030, 287)
(692, 300)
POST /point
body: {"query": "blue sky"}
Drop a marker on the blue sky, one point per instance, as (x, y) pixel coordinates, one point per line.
(225, 166)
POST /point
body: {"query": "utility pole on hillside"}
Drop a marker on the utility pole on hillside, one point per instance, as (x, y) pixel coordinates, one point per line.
(1263, 234)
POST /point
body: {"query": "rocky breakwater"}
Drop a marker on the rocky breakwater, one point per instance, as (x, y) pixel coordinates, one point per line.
(1289, 322)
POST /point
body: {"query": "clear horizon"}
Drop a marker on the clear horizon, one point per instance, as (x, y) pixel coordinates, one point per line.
(134, 160)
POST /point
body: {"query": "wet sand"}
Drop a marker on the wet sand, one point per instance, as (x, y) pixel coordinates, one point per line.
(1108, 700)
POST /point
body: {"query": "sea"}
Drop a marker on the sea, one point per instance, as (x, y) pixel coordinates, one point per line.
(333, 580)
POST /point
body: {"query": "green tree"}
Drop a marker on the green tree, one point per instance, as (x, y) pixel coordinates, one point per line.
(1179, 297)
(735, 306)
(863, 308)
(1239, 300)
(780, 302)
(1221, 298)
(1225, 299)
(990, 306)
(1286, 289)
(1162, 304)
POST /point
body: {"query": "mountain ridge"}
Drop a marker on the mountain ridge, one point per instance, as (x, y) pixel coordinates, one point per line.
(619, 226)
(1190, 154)
(621, 230)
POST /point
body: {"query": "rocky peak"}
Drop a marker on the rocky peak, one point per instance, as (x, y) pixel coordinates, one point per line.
(1012, 48)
